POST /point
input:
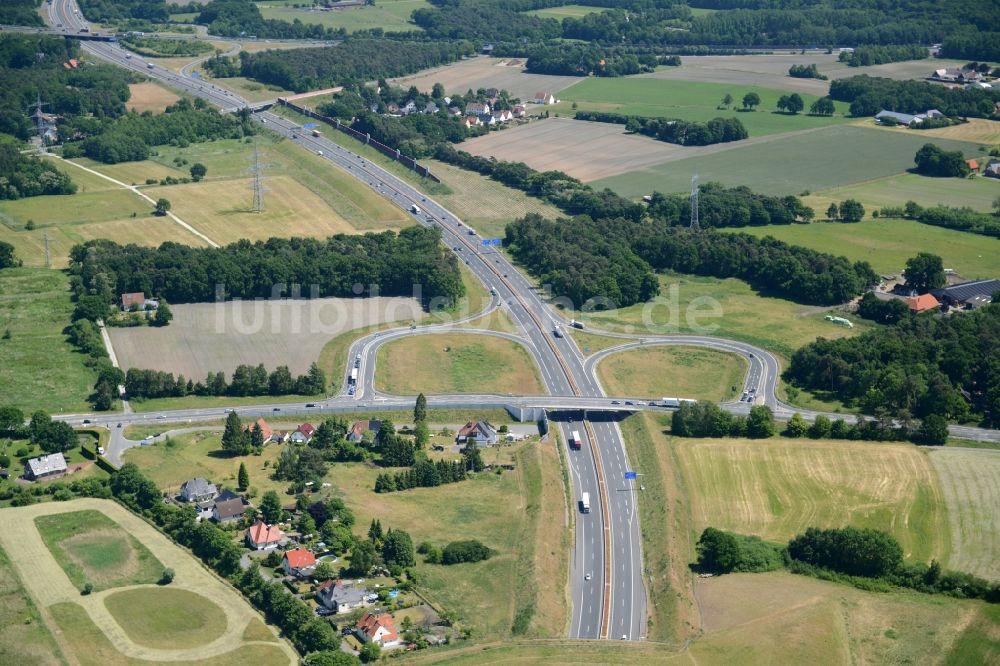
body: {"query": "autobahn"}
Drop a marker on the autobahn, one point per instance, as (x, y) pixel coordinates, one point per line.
(611, 602)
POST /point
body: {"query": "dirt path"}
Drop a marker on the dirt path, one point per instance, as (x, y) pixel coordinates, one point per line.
(48, 583)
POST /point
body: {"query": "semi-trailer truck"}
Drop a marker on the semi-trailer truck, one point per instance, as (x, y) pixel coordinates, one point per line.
(576, 324)
(317, 133)
(585, 503)
(574, 440)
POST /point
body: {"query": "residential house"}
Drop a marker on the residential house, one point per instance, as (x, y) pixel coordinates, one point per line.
(544, 98)
(265, 429)
(492, 92)
(431, 108)
(471, 121)
(138, 301)
(45, 467)
(477, 108)
(228, 508)
(357, 431)
(379, 629)
(895, 118)
(303, 434)
(408, 108)
(341, 597)
(487, 119)
(260, 536)
(518, 111)
(454, 111)
(504, 116)
(299, 562)
(392, 108)
(992, 169)
(487, 48)
(480, 432)
(968, 295)
(922, 303)
(198, 490)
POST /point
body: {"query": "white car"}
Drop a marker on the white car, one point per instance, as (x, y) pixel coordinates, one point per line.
(587, 577)
(320, 153)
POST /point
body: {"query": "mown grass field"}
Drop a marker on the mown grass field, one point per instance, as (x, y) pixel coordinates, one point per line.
(24, 637)
(977, 193)
(970, 482)
(149, 96)
(777, 488)
(690, 100)
(688, 372)
(559, 13)
(389, 15)
(818, 160)
(456, 363)
(887, 243)
(726, 308)
(90, 547)
(39, 369)
(166, 617)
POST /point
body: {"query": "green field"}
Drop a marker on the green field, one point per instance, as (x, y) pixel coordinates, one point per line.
(689, 372)
(389, 15)
(456, 363)
(559, 13)
(977, 193)
(38, 368)
(690, 100)
(815, 161)
(888, 243)
(90, 547)
(24, 638)
(773, 323)
(166, 617)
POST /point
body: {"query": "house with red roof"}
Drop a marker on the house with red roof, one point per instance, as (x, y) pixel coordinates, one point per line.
(262, 536)
(299, 562)
(303, 434)
(357, 431)
(379, 629)
(265, 429)
(922, 303)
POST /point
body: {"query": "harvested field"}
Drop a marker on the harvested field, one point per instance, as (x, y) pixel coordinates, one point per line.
(970, 481)
(777, 488)
(978, 130)
(584, 150)
(688, 372)
(486, 72)
(213, 337)
(150, 96)
(782, 165)
(24, 638)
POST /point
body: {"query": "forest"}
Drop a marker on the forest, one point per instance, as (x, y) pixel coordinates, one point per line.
(868, 95)
(28, 175)
(948, 366)
(20, 12)
(393, 263)
(672, 130)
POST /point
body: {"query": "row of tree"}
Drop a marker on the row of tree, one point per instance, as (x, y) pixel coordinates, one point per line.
(590, 59)
(707, 419)
(456, 552)
(409, 263)
(876, 54)
(672, 130)
(423, 474)
(806, 72)
(868, 95)
(247, 380)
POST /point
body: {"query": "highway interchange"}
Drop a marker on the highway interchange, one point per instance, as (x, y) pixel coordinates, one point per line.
(608, 594)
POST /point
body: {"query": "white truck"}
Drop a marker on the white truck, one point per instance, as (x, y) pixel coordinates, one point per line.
(576, 324)
(585, 503)
(415, 209)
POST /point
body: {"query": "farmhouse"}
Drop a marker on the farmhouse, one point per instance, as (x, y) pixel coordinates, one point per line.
(45, 467)
(357, 431)
(544, 98)
(299, 562)
(992, 169)
(894, 118)
(260, 536)
(968, 295)
(341, 597)
(378, 629)
(922, 303)
(480, 432)
(957, 75)
(972, 164)
(138, 301)
(228, 508)
(198, 490)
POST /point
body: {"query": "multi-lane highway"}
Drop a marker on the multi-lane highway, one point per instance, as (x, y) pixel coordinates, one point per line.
(609, 598)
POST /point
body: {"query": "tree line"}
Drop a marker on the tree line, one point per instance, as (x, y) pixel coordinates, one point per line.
(921, 366)
(588, 59)
(389, 262)
(672, 130)
(29, 176)
(246, 381)
(155, 11)
(235, 18)
(878, 54)
(971, 42)
(868, 95)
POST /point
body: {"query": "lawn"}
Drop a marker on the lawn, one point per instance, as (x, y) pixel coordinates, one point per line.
(818, 160)
(690, 100)
(688, 372)
(590, 343)
(166, 617)
(777, 488)
(887, 243)
(38, 368)
(389, 15)
(90, 547)
(24, 638)
(970, 481)
(727, 308)
(559, 13)
(456, 363)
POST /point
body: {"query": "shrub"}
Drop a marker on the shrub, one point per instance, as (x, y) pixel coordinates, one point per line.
(471, 550)
(167, 576)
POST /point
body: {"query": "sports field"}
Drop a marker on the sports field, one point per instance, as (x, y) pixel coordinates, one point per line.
(688, 372)
(777, 488)
(39, 369)
(888, 243)
(815, 161)
(456, 363)
(389, 15)
(691, 100)
(486, 72)
(124, 627)
(970, 481)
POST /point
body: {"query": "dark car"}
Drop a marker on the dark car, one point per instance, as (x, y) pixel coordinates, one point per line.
(615, 402)
(276, 409)
(310, 404)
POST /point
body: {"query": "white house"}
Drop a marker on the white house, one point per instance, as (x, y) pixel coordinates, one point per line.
(544, 98)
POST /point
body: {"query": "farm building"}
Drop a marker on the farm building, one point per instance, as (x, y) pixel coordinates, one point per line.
(341, 597)
(378, 629)
(138, 301)
(260, 536)
(45, 467)
(992, 169)
(198, 490)
(922, 303)
(480, 432)
(299, 562)
(895, 118)
(972, 164)
(968, 295)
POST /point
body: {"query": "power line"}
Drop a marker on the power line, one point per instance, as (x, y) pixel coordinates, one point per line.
(694, 201)
(45, 238)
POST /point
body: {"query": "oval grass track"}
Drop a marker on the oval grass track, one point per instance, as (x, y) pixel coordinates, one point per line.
(161, 617)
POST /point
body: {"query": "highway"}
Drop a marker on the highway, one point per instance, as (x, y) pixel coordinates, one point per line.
(611, 601)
